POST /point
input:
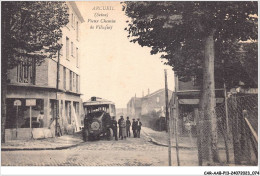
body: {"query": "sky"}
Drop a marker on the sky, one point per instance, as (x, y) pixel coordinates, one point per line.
(111, 66)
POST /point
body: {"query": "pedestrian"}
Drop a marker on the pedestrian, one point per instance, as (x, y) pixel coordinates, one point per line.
(122, 125)
(138, 127)
(107, 122)
(114, 127)
(120, 129)
(134, 128)
(40, 119)
(128, 125)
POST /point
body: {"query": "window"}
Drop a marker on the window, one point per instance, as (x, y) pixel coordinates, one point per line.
(26, 71)
(64, 77)
(23, 113)
(70, 80)
(76, 107)
(77, 57)
(61, 109)
(73, 79)
(53, 109)
(77, 30)
(67, 48)
(77, 83)
(68, 111)
(157, 99)
(72, 49)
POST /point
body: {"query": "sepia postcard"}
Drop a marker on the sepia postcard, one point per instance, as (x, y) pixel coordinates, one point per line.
(129, 83)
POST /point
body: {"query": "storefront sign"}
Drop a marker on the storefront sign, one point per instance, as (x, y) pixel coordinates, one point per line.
(31, 102)
(17, 103)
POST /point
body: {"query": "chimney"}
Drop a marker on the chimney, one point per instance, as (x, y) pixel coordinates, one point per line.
(148, 91)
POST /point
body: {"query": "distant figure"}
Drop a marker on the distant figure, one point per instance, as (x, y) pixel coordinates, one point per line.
(40, 119)
(138, 126)
(134, 128)
(128, 125)
(114, 127)
(120, 129)
(122, 125)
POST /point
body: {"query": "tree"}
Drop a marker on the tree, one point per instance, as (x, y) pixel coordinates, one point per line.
(189, 35)
(29, 30)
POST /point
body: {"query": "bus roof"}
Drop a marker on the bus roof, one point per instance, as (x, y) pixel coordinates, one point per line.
(97, 101)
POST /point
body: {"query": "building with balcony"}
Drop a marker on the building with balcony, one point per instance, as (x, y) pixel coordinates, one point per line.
(55, 99)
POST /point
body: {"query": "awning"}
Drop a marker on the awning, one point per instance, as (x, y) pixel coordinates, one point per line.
(196, 101)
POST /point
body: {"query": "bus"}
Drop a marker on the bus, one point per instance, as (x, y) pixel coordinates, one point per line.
(98, 115)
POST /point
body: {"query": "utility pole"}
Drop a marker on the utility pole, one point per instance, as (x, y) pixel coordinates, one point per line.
(226, 108)
(176, 117)
(57, 90)
(168, 121)
(225, 95)
(226, 134)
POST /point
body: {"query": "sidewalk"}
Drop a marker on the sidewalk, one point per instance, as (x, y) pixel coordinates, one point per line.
(161, 138)
(57, 143)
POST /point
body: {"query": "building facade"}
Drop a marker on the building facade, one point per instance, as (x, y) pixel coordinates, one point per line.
(184, 100)
(154, 102)
(134, 107)
(55, 99)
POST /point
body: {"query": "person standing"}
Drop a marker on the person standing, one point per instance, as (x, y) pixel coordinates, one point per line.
(123, 128)
(138, 127)
(134, 128)
(128, 125)
(120, 129)
(40, 119)
(114, 127)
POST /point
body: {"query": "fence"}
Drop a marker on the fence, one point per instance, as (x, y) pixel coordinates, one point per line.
(232, 139)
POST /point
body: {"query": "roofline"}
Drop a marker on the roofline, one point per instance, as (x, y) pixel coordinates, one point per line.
(76, 10)
(98, 103)
(156, 92)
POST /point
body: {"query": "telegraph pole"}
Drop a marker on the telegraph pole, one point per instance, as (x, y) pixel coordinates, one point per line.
(57, 90)
(168, 120)
(176, 116)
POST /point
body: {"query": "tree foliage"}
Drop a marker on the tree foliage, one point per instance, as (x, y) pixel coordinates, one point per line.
(177, 31)
(32, 29)
(197, 39)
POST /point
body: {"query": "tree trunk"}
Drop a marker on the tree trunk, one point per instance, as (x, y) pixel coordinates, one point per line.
(208, 102)
(3, 100)
(4, 64)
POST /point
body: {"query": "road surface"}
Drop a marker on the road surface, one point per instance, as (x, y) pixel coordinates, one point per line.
(129, 152)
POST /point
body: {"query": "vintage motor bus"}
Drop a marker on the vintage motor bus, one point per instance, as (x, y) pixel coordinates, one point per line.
(98, 115)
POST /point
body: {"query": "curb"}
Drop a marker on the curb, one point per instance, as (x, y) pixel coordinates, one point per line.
(53, 148)
(152, 140)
